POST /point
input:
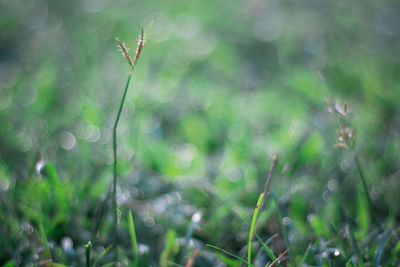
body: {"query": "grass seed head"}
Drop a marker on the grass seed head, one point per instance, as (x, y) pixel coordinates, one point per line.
(335, 106)
(125, 51)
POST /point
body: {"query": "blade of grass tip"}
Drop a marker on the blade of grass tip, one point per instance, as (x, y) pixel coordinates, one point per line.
(102, 255)
(148, 30)
(303, 259)
(268, 183)
(379, 251)
(88, 250)
(141, 44)
(230, 254)
(132, 234)
(283, 229)
(252, 226)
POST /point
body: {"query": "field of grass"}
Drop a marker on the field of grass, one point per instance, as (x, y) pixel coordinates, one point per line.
(248, 133)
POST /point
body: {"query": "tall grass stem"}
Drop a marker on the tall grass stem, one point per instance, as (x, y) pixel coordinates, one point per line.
(140, 44)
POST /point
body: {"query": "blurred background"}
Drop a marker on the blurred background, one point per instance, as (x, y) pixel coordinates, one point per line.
(219, 89)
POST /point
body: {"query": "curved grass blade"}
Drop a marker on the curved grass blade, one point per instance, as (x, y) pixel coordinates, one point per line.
(102, 255)
(230, 254)
(303, 259)
(132, 234)
(267, 249)
(252, 226)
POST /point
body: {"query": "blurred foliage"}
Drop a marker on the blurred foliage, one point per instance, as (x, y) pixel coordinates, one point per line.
(220, 88)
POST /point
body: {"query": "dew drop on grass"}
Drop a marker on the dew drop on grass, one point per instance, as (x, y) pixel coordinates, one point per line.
(66, 243)
(336, 252)
(39, 166)
(196, 217)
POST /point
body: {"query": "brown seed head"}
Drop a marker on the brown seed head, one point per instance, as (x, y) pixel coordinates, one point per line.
(124, 49)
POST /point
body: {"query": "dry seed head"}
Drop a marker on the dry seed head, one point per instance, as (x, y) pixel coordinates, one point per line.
(140, 44)
(124, 49)
(345, 139)
(335, 106)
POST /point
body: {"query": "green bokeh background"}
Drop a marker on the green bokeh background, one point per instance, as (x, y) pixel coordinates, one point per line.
(220, 88)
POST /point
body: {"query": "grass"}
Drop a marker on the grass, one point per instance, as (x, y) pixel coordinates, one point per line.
(132, 233)
(215, 96)
(132, 63)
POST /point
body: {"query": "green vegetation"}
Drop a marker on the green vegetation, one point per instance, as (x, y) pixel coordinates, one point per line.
(172, 160)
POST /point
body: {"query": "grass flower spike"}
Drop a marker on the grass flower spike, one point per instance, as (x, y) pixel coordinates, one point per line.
(132, 63)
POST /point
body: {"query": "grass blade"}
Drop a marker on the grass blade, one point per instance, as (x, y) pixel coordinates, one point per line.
(303, 259)
(102, 255)
(259, 207)
(252, 226)
(379, 251)
(350, 263)
(132, 234)
(267, 249)
(230, 254)
(88, 250)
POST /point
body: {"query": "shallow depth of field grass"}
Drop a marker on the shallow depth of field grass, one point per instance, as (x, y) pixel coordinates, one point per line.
(221, 89)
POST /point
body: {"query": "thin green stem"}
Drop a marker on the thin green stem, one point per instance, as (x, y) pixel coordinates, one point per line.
(88, 250)
(114, 194)
(365, 187)
(141, 44)
(364, 183)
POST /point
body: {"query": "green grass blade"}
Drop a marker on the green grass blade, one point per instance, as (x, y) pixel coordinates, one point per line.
(88, 251)
(132, 234)
(379, 251)
(46, 254)
(252, 226)
(266, 248)
(230, 254)
(171, 248)
(350, 263)
(303, 259)
(102, 255)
